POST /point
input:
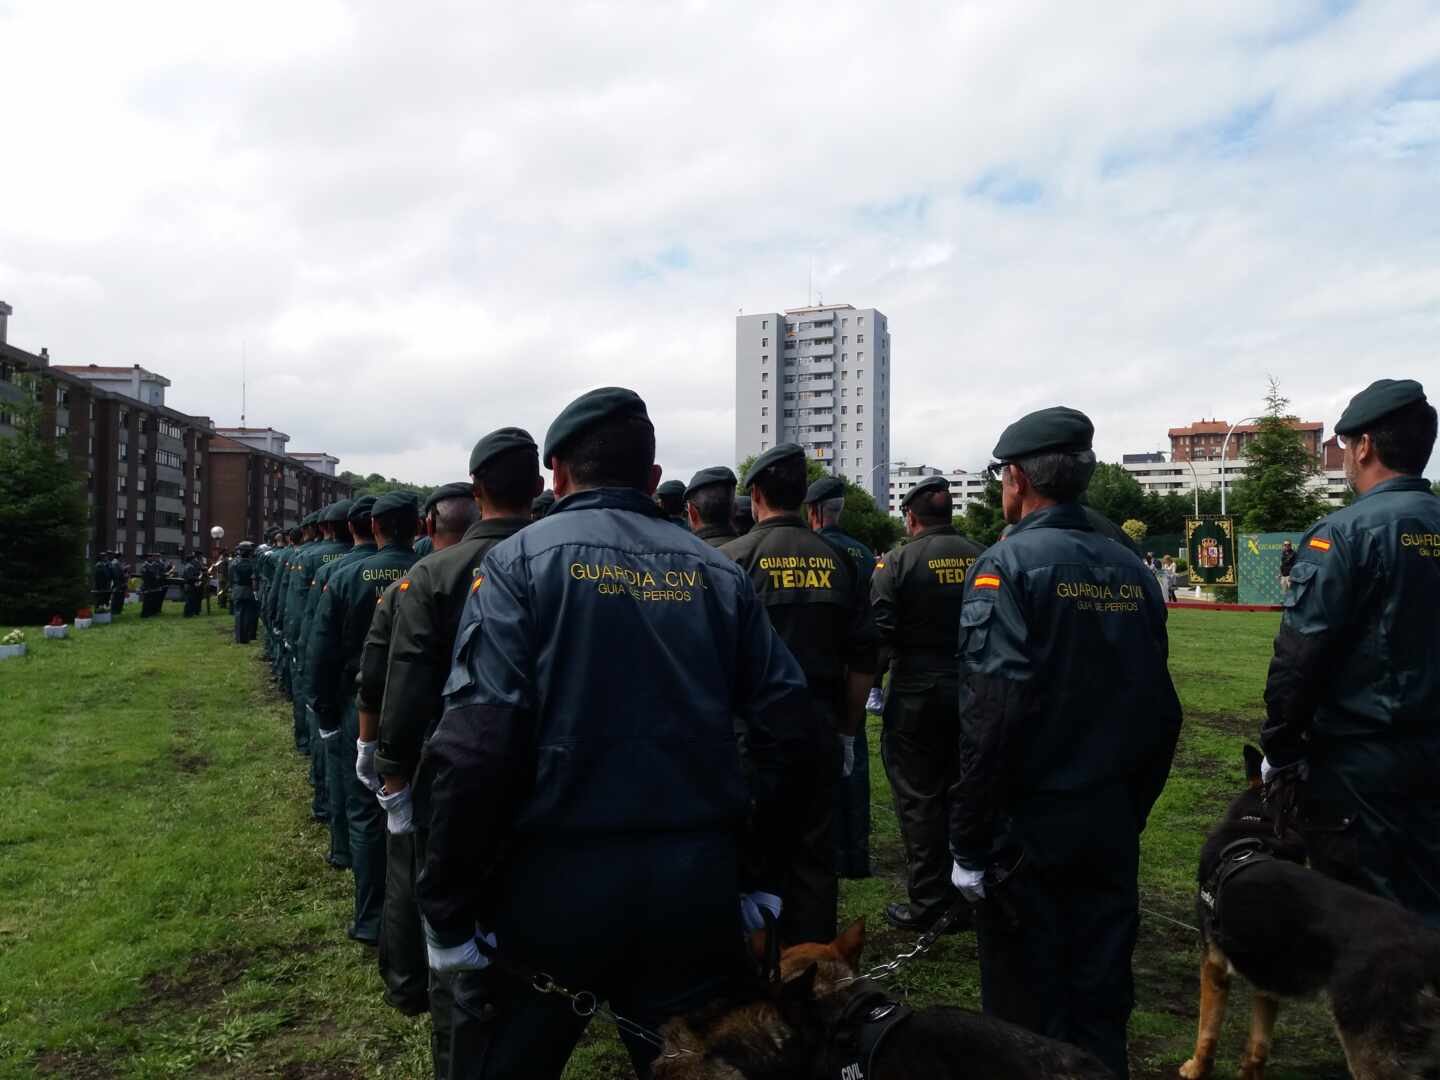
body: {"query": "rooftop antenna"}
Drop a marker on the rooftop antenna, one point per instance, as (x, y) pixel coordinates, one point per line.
(810, 285)
(243, 367)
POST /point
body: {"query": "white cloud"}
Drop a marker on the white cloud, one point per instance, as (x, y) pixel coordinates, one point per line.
(423, 222)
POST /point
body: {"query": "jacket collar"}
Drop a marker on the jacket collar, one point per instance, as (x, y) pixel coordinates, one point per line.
(1059, 516)
(1398, 483)
(709, 532)
(779, 520)
(935, 530)
(637, 502)
(494, 528)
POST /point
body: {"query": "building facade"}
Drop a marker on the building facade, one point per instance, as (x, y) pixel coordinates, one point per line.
(257, 486)
(965, 486)
(150, 471)
(820, 377)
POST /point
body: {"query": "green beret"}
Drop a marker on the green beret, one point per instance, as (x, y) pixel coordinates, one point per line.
(1376, 401)
(715, 474)
(360, 509)
(671, 489)
(825, 489)
(393, 501)
(1057, 429)
(606, 403)
(496, 443)
(461, 489)
(337, 513)
(774, 456)
(925, 487)
(742, 504)
(308, 519)
(542, 503)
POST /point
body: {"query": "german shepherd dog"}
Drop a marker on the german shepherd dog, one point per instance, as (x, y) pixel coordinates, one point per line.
(796, 1030)
(1291, 932)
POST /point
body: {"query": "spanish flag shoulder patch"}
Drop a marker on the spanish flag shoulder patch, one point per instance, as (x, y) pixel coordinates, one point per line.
(987, 581)
(479, 580)
(1318, 544)
(404, 584)
(879, 564)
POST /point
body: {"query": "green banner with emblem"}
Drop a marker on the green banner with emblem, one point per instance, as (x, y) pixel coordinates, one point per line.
(1258, 560)
(1210, 548)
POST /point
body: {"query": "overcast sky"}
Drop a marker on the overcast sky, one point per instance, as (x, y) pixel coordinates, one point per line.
(424, 221)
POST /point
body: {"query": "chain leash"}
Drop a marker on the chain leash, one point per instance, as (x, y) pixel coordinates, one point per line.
(585, 1003)
(920, 948)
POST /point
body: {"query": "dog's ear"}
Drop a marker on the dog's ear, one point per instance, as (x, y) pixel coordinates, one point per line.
(1253, 757)
(851, 943)
(802, 987)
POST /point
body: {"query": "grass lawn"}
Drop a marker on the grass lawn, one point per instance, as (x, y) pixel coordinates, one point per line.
(167, 910)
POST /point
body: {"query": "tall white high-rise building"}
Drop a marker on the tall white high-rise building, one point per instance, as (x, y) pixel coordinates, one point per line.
(820, 377)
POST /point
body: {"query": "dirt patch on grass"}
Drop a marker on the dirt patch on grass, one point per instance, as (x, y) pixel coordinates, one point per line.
(201, 982)
(74, 1065)
(1244, 727)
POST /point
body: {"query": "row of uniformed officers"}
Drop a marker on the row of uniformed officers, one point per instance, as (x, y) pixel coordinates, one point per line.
(572, 735)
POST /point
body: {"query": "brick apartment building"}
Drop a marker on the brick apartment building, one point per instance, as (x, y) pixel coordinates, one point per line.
(149, 470)
(1204, 439)
(256, 485)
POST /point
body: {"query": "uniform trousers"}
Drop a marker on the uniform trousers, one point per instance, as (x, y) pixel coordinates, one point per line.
(920, 748)
(404, 968)
(117, 601)
(246, 616)
(366, 819)
(1063, 969)
(811, 891)
(649, 924)
(332, 758)
(851, 812)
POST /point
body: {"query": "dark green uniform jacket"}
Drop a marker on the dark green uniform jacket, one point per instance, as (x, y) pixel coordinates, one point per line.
(811, 591)
(863, 556)
(1354, 688)
(284, 581)
(322, 577)
(1064, 689)
(370, 690)
(343, 619)
(242, 578)
(916, 596)
(716, 535)
(423, 546)
(600, 665)
(425, 620)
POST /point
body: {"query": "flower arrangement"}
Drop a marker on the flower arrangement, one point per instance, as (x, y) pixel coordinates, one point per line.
(56, 620)
(85, 613)
(14, 637)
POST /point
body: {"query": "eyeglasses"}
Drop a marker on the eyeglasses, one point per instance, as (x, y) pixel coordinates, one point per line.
(995, 468)
(1345, 442)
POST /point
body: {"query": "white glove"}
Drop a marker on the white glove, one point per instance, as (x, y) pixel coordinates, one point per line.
(365, 764)
(328, 735)
(466, 957)
(875, 701)
(847, 745)
(971, 883)
(1266, 770)
(752, 904)
(399, 813)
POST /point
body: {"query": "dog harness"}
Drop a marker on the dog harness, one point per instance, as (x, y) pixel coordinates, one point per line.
(868, 1017)
(1235, 858)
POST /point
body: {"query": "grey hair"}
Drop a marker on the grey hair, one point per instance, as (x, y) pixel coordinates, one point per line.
(1059, 475)
(454, 515)
(829, 510)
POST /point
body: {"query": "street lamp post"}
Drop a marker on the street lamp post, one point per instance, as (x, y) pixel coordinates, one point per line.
(1224, 448)
(1194, 476)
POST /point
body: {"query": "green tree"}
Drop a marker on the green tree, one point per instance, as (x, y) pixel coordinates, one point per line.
(43, 526)
(1115, 493)
(1273, 496)
(1135, 529)
(861, 518)
(984, 518)
(375, 484)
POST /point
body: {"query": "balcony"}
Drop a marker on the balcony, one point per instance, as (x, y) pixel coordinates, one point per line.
(165, 504)
(807, 350)
(816, 400)
(816, 366)
(818, 385)
(166, 535)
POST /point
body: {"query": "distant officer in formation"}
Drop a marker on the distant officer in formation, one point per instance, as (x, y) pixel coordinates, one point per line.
(193, 583)
(824, 503)
(222, 571)
(153, 583)
(243, 582)
(102, 585)
(916, 595)
(1353, 696)
(744, 515)
(343, 619)
(266, 566)
(710, 505)
(425, 542)
(670, 497)
(119, 582)
(812, 592)
(1068, 723)
(452, 514)
(541, 504)
(505, 479)
(589, 803)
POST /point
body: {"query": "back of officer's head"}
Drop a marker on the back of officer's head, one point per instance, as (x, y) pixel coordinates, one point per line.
(1059, 475)
(671, 503)
(783, 484)
(451, 517)
(933, 508)
(1405, 438)
(398, 526)
(714, 503)
(616, 452)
